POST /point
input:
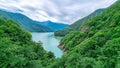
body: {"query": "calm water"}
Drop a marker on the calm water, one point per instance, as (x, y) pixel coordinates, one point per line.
(49, 42)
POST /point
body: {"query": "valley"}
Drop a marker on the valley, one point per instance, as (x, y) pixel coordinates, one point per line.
(49, 42)
(90, 42)
(31, 25)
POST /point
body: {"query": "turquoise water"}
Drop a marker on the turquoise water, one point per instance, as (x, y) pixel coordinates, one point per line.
(49, 42)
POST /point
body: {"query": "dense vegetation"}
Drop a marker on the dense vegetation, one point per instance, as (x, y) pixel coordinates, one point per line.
(95, 45)
(17, 50)
(77, 24)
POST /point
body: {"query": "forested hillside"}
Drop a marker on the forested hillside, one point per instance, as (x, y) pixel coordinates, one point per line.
(32, 25)
(25, 22)
(17, 50)
(77, 24)
(95, 45)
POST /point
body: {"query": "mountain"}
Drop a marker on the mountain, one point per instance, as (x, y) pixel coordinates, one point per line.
(95, 45)
(55, 26)
(24, 21)
(17, 50)
(77, 24)
(31, 25)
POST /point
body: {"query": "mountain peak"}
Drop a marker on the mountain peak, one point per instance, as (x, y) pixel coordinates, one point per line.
(48, 21)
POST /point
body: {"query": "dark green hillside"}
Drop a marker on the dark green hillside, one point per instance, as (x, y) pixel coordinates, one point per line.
(31, 25)
(17, 50)
(95, 45)
(77, 24)
(24, 22)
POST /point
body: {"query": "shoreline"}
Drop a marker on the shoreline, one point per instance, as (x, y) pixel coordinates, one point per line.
(62, 48)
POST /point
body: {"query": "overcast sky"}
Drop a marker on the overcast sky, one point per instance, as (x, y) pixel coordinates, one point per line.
(65, 11)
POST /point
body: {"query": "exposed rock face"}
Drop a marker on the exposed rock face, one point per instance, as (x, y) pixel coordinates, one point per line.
(62, 48)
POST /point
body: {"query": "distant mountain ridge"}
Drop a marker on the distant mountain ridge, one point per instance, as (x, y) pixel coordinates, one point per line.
(55, 26)
(29, 24)
(95, 45)
(24, 21)
(77, 24)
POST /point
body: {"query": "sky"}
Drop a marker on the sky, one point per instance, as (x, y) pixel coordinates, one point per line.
(62, 11)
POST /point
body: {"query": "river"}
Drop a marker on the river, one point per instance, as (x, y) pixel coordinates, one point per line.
(49, 42)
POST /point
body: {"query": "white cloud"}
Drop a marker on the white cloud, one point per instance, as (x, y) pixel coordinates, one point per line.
(66, 11)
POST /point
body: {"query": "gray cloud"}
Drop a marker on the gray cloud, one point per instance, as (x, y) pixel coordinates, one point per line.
(66, 11)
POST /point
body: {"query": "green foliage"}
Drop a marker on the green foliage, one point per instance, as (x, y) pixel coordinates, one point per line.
(77, 24)
(25, 22)
(96, 44)
(73, 39)
(18, 51)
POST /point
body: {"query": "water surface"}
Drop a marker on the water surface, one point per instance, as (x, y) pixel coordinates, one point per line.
(50, 43)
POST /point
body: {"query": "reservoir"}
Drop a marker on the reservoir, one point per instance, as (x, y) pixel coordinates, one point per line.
(49, 42)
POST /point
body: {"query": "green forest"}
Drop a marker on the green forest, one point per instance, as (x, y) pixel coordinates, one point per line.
(96, 44)
(17, 50)
(76, 25)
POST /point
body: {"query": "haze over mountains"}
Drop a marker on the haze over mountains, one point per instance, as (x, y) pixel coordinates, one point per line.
(32, 25)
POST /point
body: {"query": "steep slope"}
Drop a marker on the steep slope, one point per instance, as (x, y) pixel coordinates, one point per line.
(95, 45)
(24, 22)
(31, 25)
(55, 26)
(18, 51)
(77, 24)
